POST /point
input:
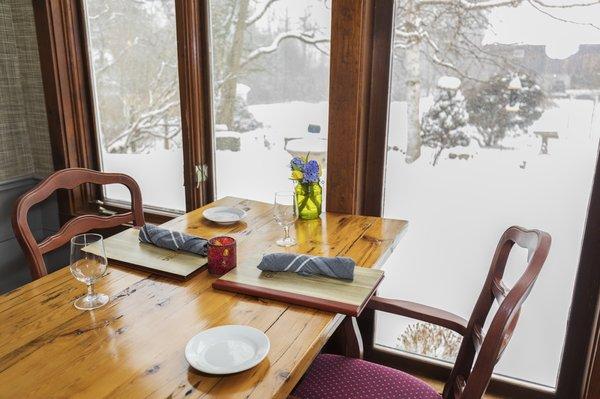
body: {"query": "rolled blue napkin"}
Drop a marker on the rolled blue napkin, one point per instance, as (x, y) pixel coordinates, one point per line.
(174, 240)
(306, 265)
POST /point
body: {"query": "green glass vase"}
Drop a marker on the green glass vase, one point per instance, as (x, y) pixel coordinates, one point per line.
(309, 197)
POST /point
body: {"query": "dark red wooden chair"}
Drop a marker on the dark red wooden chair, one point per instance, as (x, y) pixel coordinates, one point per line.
(333, 376)
(69, 179)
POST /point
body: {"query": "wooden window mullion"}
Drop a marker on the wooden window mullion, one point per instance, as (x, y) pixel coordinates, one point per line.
(67, 94)
(196, 107)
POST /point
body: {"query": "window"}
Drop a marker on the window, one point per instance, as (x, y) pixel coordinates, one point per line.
(132, 48)
(483, 134)
(270, 79)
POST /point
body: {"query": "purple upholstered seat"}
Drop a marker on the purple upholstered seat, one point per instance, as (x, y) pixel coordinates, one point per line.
(339, 377)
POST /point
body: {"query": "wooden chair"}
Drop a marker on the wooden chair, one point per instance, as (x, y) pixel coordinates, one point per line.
(333, 376)
(69, 179)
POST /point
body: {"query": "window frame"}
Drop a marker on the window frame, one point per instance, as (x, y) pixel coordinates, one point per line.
(66, 73)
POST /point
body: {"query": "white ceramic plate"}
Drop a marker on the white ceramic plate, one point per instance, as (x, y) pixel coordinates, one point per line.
(227, 349)
(224, 214)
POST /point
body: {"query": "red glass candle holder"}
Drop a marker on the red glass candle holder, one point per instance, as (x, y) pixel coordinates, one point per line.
(221, 255)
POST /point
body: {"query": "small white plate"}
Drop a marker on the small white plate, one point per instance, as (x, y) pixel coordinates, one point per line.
(224, 214)
(227, 349)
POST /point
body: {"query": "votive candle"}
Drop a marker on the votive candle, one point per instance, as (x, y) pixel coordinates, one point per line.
(221, 255)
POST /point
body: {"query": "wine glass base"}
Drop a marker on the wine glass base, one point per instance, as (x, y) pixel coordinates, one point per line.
(89, 302)
(286, 242)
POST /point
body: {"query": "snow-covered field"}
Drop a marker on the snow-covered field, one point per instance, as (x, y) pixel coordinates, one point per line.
(262, 167)
(457, 212)
(159, 174)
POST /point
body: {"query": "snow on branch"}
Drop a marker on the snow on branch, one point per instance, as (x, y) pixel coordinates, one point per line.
(537, 4)
(481, 5)
(271, 48)
(569, 5)
(150, 115)
(471, 5)
(435, 56)
(412, 35)
(260, 12)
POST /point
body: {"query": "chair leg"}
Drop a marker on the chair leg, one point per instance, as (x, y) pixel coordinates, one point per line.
(353, 344)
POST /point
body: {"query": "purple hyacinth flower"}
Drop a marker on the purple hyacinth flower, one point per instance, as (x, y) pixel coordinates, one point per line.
(311, 172)
(297, 163)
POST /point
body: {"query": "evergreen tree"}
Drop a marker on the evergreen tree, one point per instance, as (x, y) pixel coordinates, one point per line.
(440, 126)
(495, 110)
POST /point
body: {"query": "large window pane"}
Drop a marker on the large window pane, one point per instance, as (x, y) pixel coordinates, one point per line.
(271, 81)
(494, 121)
(133, 54)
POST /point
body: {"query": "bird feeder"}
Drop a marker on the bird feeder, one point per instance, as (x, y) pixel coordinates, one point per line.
(514, 86)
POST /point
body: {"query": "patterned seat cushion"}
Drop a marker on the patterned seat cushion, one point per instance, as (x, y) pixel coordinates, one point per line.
(339, 377)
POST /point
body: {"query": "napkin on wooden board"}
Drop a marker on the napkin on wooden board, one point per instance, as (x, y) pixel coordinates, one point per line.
(306, 265)
(174, 240)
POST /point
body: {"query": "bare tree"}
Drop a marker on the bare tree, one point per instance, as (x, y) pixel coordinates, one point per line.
(233, 23)
(441, 31)
(134, 60)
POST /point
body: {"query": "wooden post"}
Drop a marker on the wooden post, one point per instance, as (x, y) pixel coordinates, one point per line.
(349, 91)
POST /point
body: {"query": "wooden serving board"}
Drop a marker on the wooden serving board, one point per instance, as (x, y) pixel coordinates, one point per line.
(319, 292)
(125, 248)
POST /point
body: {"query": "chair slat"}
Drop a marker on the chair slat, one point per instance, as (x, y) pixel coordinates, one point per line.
(477, 337)
(69, 179)
(499, 290)
(480, 351)
(80, 225)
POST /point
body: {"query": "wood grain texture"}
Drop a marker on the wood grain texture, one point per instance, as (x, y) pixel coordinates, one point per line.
(349, 95)
(319, 292)
(133, 347)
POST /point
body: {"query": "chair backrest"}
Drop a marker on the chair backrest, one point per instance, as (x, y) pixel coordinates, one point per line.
(479, 353)
(69, 179)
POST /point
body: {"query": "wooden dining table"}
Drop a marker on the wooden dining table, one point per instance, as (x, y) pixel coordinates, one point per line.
(134, 346)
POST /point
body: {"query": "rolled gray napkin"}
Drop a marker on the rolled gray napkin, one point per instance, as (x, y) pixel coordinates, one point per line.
(174, 240)
(306, 265)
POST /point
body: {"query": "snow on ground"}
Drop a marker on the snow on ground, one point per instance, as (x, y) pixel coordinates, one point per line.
(457, 212)
(262, 167)
(159, 174)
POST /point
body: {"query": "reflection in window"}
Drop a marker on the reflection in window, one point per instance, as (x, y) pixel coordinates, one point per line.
(494, 121)
(270, 82)
(133, 54)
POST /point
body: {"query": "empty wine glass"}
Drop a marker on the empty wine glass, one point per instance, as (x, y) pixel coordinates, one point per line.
(88, 264)
(285, 212)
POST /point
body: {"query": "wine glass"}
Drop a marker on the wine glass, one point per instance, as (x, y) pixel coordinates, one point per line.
(88, 264)
(285, 212)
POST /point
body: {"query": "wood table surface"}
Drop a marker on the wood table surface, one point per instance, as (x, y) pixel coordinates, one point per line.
(134, 346)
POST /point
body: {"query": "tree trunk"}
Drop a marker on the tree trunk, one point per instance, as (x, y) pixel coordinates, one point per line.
(166, 141)
(412, 64)
(225, 114)
(437, 155)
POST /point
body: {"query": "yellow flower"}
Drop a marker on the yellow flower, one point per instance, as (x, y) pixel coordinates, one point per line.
(297, 175)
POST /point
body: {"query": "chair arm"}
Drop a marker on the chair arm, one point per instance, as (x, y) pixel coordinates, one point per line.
(419, 312)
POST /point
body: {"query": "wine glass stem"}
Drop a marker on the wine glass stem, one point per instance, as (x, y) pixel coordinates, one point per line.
(286, 232)
(90, 288)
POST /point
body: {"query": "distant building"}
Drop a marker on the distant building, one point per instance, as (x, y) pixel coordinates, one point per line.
(581, 71)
